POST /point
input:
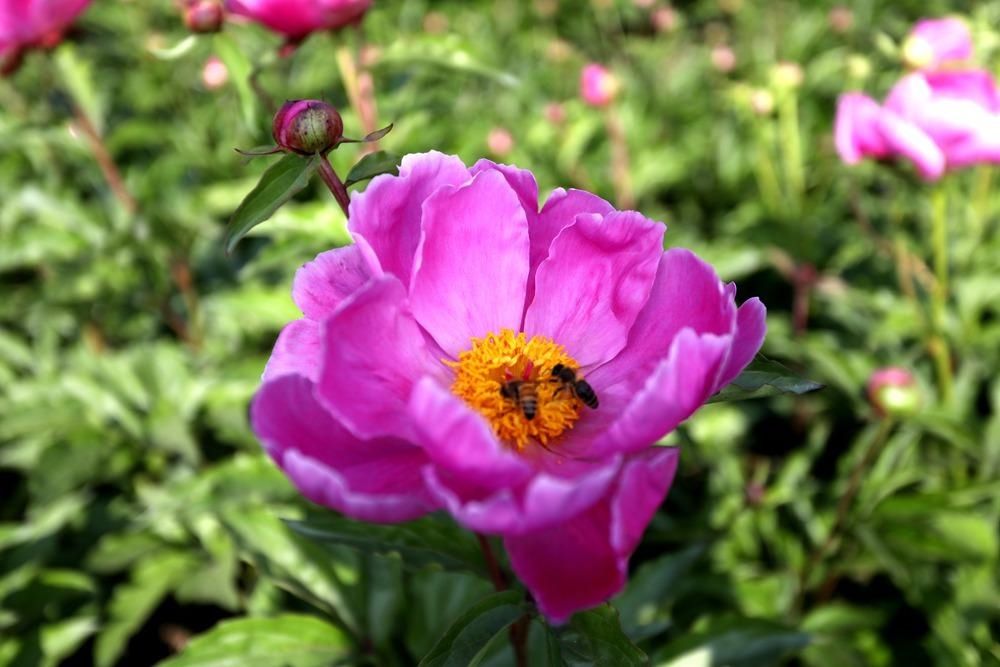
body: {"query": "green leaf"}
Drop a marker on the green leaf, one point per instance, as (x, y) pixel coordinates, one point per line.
(466, 641)
(372, 165)
(282, 181)
(174, 52)
(764, 377)
(596, 637)
(651, 589)
(432, 540)
(734, 643)
(240, 73)
(289, 640)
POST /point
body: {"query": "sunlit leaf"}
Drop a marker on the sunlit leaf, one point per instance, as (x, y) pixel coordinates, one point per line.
(764, 377)
(372, 165)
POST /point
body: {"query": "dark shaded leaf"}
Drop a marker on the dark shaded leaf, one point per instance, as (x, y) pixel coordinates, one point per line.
(466, 641)
(431, 540)
(764, 377)
(734, 643)
(282, 181)
(596, 637)
(372, 165)
(651, 589)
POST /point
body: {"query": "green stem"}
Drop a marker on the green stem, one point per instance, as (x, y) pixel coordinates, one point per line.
(791, 146)
(764, 171)
(334, 183)
(939, 295)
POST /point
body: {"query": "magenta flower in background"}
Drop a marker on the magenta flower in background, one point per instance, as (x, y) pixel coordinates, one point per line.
(937, 120)
(384, 401)
(26, 24)
(297, 19)
(935, 43)
(598, 86)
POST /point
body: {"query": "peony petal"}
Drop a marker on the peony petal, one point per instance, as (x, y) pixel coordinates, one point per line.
(559, 212)
(471, 269)
(906, 139)
(855, 131)
(460, 441)
(375, 354)
(320, 285)
(298, 351)
(385, 218)
(584, 561)
(751, 326)
(976, 86)
(948, 38)
(678, 386)
(546, 500)
(594, 283)
(370, 480)
(521, 181)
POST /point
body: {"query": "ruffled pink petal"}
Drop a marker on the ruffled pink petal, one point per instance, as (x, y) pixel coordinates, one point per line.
(559, 212)
(471, 266)
(385, 218)
(856, 133)
(298, 351)
(374, 355)
(371, 480)
(521, 181)
(545, 500)
(459, 441)
(678, 386)
(751, 327)
(949, 38)
(909, 96)
(976, 86)
(584, 561)
(596, 279)
(320, 285)
(908, 140)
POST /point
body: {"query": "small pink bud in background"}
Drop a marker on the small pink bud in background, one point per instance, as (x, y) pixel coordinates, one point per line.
(500, 142)
(555, 113)
(664, 19)
(307, 127)
(787, 75)
(598, 86)
(643, 4)
(204, 16)
(546, 8)
(369, 55)
(934, 43)
(723, 59)
(893, 392)
(841, 19)
(558, 50)
(214, 74)
(435, 23)
(762, 101)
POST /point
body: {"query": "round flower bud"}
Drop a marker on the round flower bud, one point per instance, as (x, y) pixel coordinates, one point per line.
(787, 75)
(840, 19)
(598, 86)
(893, 392)
(214, 73)
(761, 101)
(918, 53)
(500, 142)
(307, 127)
(723, 59)
(204, 16)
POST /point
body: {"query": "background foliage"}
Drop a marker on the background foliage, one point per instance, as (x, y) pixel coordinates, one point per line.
(139, 516)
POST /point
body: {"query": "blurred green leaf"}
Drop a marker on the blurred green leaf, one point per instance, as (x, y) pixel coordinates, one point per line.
(290, 640)
(467, 640)
(651, 589)
(240, 71)
(372, 165)
(764, 378)
(735, 643)
(282, 181)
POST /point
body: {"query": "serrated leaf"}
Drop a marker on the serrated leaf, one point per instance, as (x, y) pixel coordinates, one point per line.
(282, 181)
(428, 541)
(465, 642)
(762, 378)
(372, 165)
(290, 640)
(595, 637)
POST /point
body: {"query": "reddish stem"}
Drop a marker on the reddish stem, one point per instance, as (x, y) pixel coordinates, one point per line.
(520, 627)
(333, 182)
(104, 161)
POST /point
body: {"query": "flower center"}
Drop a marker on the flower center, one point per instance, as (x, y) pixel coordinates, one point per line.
(508, 379)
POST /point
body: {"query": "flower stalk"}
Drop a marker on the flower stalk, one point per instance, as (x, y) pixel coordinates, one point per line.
(938, 345)
(334, 183)
(104, 161)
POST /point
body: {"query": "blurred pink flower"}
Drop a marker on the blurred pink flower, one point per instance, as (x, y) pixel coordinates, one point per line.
(598, 86)
(214, 73)
(385, 400)
(937, 120)
(934, 43)
(296, 19)
(26, 24)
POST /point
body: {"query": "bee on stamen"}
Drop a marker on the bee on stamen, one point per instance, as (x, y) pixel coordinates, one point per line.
(579, 388)
(524, 392)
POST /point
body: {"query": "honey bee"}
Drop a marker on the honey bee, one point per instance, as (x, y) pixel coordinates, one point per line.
(523, 392)
(579, 388)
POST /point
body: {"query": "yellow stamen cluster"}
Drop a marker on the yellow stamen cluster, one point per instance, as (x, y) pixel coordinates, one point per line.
(496, 359)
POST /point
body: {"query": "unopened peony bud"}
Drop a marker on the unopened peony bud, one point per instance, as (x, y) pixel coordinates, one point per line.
(761, 101)
(787, 75)
(204, 16)
(307, 127)
(918, 53)
(840, 18)
(598, 86)
(500, 142)
(893, 392)
(858, 67)
(664, 19)
(555, 113)
(723, 59)
(214, 74)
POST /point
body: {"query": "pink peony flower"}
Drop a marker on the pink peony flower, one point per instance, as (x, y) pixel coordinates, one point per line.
(937, 120)
(598, 86)
(392, 396)
(296, 19)
(26, 24)
(934, 43)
